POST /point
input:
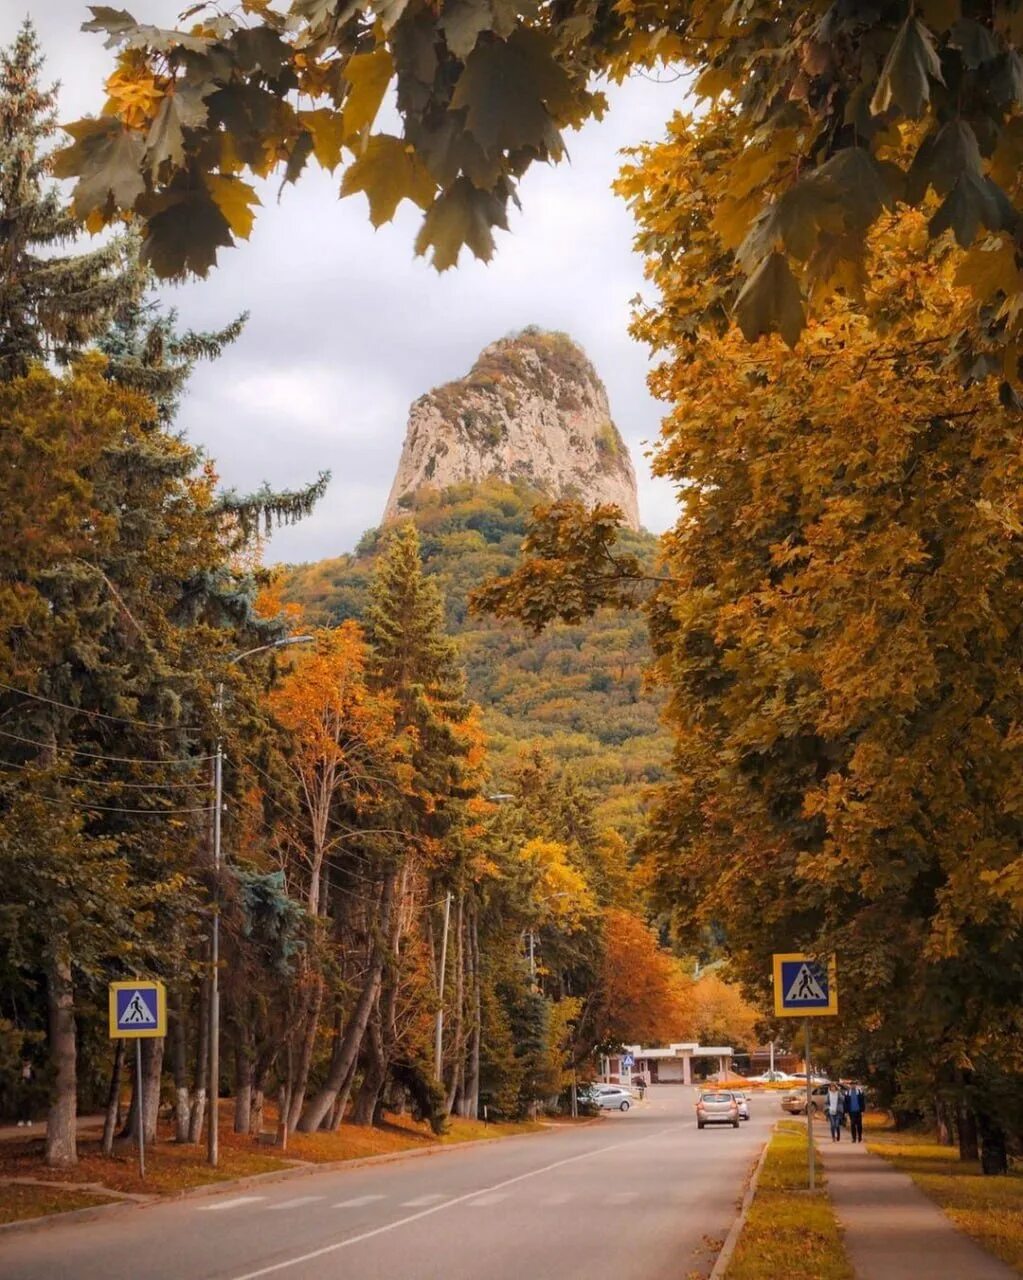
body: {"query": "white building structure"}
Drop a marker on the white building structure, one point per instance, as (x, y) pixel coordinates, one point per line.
(671, 1065)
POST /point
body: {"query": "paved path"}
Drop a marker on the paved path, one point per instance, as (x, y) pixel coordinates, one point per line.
(630, 1198)
(19, 1133)
(892, 1230)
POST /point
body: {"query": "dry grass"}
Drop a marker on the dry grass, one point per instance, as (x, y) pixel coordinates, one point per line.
(476, 1130)
(20, 1202)
(988, 1209)
(172, 1168)
(789, 1231)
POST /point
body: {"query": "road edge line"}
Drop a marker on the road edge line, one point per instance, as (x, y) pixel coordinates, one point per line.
(732, 1239)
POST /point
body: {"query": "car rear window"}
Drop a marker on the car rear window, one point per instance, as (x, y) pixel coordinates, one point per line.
(717, 1097)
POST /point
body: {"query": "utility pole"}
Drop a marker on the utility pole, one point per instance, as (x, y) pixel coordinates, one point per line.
(213, 1092)
(140, 1109)
(212, 1132)
(439, 1041)
(809, 1106)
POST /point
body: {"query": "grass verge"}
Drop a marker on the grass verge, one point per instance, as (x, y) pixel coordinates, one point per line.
(789, 1231)
(20, 1202)
(173, 1168)
(990, 1210)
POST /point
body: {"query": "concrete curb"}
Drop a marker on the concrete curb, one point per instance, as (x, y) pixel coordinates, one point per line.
(71, 1215)
(732, 1239)
(298, 1170)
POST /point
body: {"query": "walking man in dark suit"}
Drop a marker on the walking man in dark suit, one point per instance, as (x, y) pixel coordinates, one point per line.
(855, 1104)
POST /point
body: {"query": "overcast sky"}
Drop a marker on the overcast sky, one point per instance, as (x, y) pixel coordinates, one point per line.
(347, 327)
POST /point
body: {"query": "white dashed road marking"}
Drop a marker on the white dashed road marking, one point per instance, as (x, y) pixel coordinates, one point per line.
(287, 1263)
(421, 1201)
(230, 1204)
(293, 1204)
(357, 1202)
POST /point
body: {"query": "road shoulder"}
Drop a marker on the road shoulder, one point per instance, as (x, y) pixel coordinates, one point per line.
(785, 1229)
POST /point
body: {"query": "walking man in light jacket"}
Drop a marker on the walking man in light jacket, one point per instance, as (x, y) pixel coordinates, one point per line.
(835, 1107)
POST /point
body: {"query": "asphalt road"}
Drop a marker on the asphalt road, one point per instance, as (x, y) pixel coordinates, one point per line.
(634, 1197)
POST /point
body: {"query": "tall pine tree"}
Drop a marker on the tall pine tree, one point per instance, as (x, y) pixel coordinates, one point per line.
(52, 303)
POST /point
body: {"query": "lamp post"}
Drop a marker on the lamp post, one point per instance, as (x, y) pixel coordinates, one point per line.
(212, 1134)
(439, 1029)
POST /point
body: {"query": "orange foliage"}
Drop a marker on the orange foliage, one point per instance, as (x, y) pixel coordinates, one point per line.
(642, 993)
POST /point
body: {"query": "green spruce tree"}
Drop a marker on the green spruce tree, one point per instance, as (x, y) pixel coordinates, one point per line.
(52, 303)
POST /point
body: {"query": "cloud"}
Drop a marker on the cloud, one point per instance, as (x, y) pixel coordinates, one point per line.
(347, 327)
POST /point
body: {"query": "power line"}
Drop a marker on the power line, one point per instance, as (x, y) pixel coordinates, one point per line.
(111, 782)
(102, 715)
(104, 808)
(98, 755)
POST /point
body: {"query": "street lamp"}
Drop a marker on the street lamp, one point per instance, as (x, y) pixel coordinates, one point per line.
(212, 1136)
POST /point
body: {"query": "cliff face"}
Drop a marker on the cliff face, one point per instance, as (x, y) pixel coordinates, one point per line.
(532, 408)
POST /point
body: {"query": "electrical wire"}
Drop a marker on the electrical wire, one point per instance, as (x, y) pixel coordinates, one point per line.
(112, 782)
(104, 808)
(102, 715)
(98, 755)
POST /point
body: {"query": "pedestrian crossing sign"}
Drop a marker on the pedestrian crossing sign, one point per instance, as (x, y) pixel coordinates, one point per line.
(804, 986)
(138, 1010)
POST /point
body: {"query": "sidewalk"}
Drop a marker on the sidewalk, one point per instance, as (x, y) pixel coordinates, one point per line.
(892, 1230)
(12, 1133)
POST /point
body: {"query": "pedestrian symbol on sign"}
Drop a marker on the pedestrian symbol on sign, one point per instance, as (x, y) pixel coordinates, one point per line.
(138, 1013)
(805, 987)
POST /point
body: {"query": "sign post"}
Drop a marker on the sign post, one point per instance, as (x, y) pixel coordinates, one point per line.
(138, 1011)
(805, 988)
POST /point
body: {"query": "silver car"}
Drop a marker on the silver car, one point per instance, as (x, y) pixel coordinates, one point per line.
(719, 1107)
(743, 1100)
(612, 1097)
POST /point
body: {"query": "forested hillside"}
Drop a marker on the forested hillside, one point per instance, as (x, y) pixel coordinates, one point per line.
(577, 690)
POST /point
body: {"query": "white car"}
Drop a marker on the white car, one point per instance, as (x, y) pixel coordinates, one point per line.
(743, 1100)
(612, 1097)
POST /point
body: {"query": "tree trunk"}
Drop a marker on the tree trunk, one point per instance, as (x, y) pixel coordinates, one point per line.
(202, 1064)
(966, 1127)
(261, 1069)
(152, 1069)
(994, 1158)
(305, 1059)
(61, 1121)
(152, 1079)
(113, 1099)
(243, 1077)
(343, 1096)
(374, 1075)
(347, 1050)
(179, 1067)
(943, 1123)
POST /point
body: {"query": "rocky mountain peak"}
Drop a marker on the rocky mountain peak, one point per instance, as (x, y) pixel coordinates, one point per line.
(531, 409)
